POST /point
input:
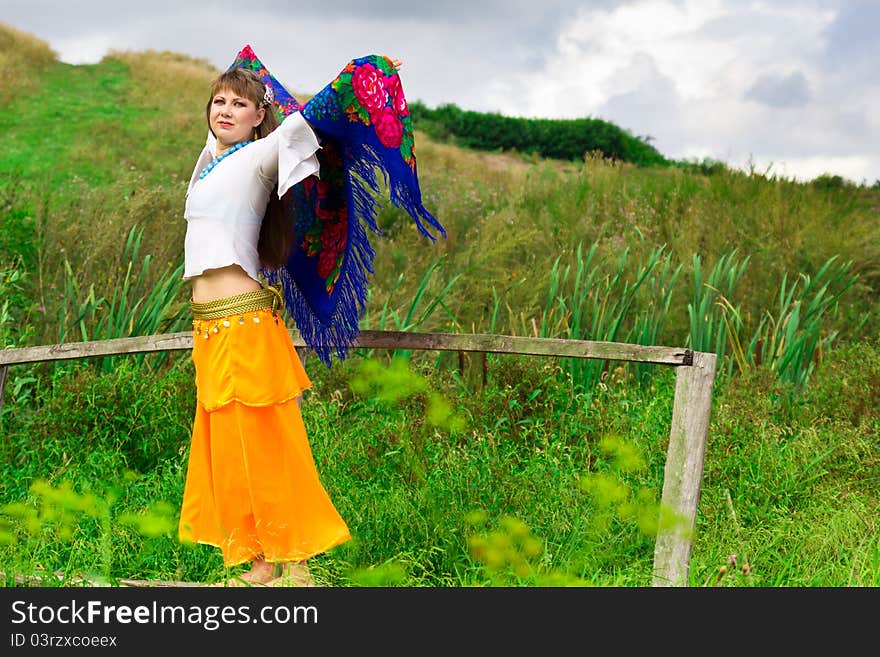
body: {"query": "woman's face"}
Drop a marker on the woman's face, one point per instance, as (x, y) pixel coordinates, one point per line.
(233, 118)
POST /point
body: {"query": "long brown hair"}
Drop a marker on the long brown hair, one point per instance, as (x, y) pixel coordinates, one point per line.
(276, 229)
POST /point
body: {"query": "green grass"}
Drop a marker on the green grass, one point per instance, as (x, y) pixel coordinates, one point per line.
(69, 125)
(793, 495)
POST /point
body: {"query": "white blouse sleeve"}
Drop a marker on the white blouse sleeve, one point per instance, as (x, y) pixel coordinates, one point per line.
(293, 156)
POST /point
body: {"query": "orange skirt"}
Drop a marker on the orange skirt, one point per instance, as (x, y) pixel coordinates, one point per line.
(252, 488)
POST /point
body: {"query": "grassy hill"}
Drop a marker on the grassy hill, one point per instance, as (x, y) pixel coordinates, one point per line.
(91, 151)
(780, 278)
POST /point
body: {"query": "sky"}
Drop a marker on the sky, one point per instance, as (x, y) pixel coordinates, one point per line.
(783, 87)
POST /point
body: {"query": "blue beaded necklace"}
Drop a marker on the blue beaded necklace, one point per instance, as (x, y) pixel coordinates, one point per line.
(216, 160)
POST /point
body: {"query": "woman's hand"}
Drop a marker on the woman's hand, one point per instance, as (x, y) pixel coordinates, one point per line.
(396, 63)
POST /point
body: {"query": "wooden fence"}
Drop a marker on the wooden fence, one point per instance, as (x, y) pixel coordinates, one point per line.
(688, 432)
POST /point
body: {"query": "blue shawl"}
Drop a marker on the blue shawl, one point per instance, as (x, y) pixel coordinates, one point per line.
(363, 123)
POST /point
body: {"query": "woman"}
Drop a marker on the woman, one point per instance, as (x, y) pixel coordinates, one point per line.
(252, 488)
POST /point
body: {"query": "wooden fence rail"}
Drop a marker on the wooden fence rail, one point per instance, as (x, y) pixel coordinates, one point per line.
(688, 432)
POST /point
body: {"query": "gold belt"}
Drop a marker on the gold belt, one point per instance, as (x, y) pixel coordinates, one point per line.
(268, 297)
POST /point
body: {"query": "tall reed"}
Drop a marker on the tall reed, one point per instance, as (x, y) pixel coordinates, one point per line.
(132, 309)
(649, 322)
(596, 302)
(793, 339)
(710, 311)
(417, 312)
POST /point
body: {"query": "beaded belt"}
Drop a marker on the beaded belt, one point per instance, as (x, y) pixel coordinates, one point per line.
(268, 297)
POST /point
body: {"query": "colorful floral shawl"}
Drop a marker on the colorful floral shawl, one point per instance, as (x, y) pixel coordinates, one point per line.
(363, 123)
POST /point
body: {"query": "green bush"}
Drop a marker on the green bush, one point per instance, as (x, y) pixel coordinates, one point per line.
(564, 139)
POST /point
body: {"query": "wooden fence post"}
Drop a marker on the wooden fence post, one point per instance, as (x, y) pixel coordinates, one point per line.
(684, 470)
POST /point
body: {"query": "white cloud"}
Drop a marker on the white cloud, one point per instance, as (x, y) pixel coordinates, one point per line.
(790, 81)
(853, 167)
(733, 81)
(86, 48)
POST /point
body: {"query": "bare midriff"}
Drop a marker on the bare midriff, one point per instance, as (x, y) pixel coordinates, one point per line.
(222, 282)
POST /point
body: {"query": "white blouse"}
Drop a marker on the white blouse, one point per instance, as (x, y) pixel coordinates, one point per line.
(224, 209)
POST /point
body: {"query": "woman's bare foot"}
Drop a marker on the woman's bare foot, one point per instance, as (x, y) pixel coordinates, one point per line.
(291, 573)
(260, 574)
